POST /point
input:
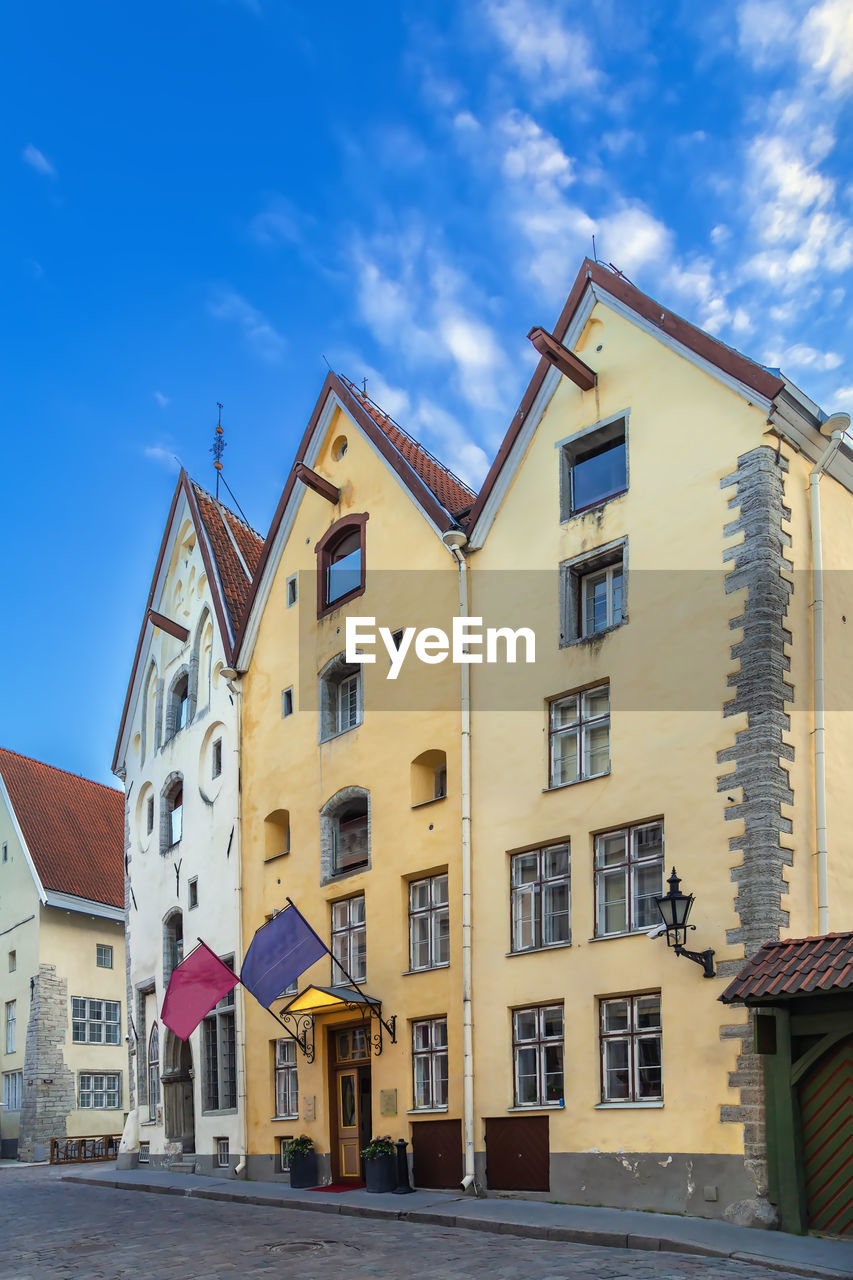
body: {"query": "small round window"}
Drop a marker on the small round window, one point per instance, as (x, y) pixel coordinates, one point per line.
(339, 448)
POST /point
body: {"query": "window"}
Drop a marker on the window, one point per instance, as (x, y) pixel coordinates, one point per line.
(175, 814)
(284, 1152)
(429, 1064)
(223, 1153)
(220, 1055)
(540, 889)
(340, 698)
(429, 777)
(537, 1042)
(276, 834)
(149, 815)
(631, 1049)
(429, 923)
(99, 1092)
(216, 760)
(342, 565)
(345, 832)
(192, 893)
(180, 703)
(173, 944)
(153, 1072)
(594, 468)
(10, 1026)
(291, 591)
(13, 961)
(349, 940)
(287, 702)
(12, 1086)
(628, 878)
(286, 1085)
(103, 956)
(95, 1021)
(5, 851)
(145, 1153)
(592, 593)
(580, 736)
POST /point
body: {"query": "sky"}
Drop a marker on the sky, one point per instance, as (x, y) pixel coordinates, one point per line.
(205, 201)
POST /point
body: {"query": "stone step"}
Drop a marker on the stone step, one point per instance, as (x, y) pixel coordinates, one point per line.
(182, 1166)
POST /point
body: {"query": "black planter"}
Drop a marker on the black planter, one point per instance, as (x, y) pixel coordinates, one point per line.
(303, 1170)
(381, 1173)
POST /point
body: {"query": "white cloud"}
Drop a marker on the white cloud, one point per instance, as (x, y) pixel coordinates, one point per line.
(827, 44)
(766, 30)
(632, 238)
(465, 122)
(556, 58)
(162, 400)
(257, 330)
(800, 356)
(164, 457)
(38, 160)
(532, 155)
(276, 224)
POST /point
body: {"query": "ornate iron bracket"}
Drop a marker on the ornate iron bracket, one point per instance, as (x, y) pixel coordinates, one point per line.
(300, 1027)
(705, 958)
(369, 1011)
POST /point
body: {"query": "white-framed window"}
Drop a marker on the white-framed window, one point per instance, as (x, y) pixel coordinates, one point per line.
(594, 468)
(99, 1091)
(192, 893)
(341, 707)
(349, 940)
(95, 1021)
(216, 759)
(429, 923)
(601, 599)
(540, 881)
(284, 1152)
(537, 1043)
(631, 1044)
(12, 1088)
(628, 878)
(286, 702)
(145, 1153)
(219, 1091)
(103, 956)
(13, 961)
(153, 1072)
(223, 1153)
(286, 1081)
(429, 1064)
(347, 703)
(579, 734)
(11, 1006)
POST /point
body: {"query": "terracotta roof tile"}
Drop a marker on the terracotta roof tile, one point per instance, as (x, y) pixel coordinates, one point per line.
(74, 828)
(794, 966)
(236, 548)
(453, 494)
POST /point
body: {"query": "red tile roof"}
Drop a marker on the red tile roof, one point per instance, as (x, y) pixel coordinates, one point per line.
(236, 548)
(795, 966)
(74, 828)
(453, 494)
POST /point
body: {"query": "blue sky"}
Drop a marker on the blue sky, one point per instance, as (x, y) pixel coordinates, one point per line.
(203, 199)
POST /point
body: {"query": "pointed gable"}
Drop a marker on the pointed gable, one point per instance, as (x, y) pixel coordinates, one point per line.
(235, 547)
(73, 828)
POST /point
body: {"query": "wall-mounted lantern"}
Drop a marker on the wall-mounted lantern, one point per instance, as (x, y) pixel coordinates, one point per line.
(675, 908)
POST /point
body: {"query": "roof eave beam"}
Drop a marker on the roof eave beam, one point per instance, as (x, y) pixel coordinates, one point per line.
(319, 484)
(561, 358)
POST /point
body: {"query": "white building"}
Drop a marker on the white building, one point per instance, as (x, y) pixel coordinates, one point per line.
(178, 756)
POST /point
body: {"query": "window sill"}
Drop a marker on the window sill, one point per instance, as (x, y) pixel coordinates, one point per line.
(422, 804)
(593, 636)
(627, 933)
(593, 506)
(408, 973)
(540, 1106)
(629, 1106)
(276, 856)
(148, 1124)
(561, 786)
(427, 1111)
(537, 951)
(338, 876)
(283, 1119)
(339, 733)
(330, 607)
(227, 1111)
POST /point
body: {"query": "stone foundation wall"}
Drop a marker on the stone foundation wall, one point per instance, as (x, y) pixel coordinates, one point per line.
(49, 1093)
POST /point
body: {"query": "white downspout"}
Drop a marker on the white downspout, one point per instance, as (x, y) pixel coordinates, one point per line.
(456, 540)
(821, 835)
(232, 677)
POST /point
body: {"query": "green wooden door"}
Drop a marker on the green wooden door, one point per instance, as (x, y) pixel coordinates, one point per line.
(826, 1114)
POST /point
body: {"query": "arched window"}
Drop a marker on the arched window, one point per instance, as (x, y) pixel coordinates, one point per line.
(199, 685)
(153, 1072)
(177, 713)
(172, 812)
(345, 832)
(340, 563)
(276, 834)
(173, 944)
(429, 777)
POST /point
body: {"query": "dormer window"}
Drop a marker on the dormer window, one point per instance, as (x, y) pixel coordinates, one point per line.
(594, 467)
(340, 563)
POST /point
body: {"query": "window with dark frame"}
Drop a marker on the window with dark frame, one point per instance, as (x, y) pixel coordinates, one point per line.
(629, 867)
(342, 566)
(149, 815)
(594, 468)
(287, 702)
(537, 1044)
(540, 891)
(220, 1055)
(429, 1064)
(429, 923)
(192, 893)
(631, 1049)
(349, 940)
(286, 1079)
(153, 1072)
(223, 1153)
(216, 762)
(103, 956)
(291, 591)
(579, 736)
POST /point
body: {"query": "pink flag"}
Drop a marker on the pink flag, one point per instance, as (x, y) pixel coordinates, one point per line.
(194, 988)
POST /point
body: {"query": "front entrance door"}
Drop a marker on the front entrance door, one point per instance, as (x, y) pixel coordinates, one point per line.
(177, 1077)
(351, 1109)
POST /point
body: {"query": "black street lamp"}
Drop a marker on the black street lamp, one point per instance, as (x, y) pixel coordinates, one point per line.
(674, 908)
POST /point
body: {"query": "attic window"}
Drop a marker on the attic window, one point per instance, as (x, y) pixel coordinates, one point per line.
(594, 468)
(340, 564)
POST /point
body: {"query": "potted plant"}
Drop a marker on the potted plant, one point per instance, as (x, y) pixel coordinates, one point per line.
(380, 1164)
(302, 1159)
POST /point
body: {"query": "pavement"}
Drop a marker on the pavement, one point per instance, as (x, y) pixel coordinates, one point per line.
(535, 1220)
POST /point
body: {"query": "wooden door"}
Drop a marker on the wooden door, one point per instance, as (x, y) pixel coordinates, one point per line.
(518, 1154)
(826, 1117)
(437, 1153)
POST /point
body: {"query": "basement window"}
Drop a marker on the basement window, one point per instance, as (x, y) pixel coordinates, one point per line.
(594, 468)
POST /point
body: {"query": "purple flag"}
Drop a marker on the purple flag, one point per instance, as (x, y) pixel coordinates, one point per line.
(280, 951)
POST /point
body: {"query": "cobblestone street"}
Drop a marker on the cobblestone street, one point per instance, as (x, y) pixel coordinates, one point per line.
(65, 1231)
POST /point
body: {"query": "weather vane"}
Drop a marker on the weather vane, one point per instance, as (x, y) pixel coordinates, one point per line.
(218, 448)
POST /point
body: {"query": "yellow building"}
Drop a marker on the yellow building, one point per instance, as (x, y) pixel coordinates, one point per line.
(63, 1055)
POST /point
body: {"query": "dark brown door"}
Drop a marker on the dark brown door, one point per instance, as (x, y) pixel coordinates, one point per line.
(826, 1116)
(518, 1154)
(437, 1153)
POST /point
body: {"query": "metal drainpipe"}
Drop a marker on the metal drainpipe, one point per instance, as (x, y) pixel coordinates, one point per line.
(241, 1005)
(821, 836)
(456, 540)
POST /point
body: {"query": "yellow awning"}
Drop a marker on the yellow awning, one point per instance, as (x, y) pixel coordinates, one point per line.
(326, 1000)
